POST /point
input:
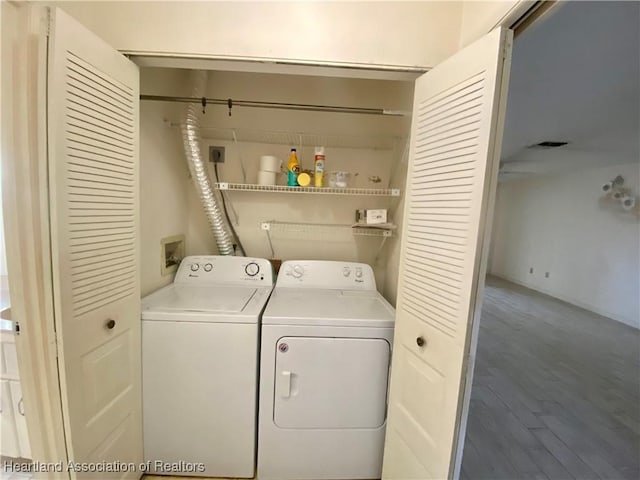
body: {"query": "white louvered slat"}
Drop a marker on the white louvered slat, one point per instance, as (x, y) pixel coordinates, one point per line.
(454, 154)
(93, 97)
(86, 157)
(121, 93)
(108, 250)
(452, 163)
(80, 242)
(81, 180)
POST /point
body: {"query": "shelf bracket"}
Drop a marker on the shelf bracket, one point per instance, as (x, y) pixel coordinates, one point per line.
(236, 217)
(235, 142)
(266, 226)
(384, 240)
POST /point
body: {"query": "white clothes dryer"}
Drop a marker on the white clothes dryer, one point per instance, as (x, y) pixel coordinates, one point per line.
(199, 367)
(324, 371)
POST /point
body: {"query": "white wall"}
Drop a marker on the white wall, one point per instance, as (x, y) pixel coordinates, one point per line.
(480, 17)
(385, 33)
(4, 276)
(399, 33)
(164, 181)
(166, 159)
(392, 253)
(559, 224)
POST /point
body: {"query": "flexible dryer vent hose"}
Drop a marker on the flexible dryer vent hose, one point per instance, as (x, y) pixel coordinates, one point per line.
(198, 168)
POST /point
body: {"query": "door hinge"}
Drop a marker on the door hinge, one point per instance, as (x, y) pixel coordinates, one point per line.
(16, 328)
(48, 19)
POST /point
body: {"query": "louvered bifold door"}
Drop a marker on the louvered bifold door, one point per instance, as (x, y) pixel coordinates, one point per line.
(93, 95)
(455, 142)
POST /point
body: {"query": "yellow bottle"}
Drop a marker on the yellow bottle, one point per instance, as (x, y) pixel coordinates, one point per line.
(293, 169)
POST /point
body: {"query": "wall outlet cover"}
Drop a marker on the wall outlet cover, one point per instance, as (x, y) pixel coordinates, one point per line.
(216, 154)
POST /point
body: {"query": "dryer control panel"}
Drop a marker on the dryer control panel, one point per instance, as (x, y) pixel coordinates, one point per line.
(327, 275)
(206, 269)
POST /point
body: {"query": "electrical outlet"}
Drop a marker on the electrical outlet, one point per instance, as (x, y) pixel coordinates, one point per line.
(530, 269)
(216, 154)
(546, 274)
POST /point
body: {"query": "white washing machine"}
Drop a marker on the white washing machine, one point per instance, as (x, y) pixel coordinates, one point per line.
(324, 371)
(200, 340)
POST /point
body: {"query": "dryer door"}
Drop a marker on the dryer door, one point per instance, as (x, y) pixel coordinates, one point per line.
(331, 383)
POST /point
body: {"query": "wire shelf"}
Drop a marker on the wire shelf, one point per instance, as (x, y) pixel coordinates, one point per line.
(248, 187)
(329, 228)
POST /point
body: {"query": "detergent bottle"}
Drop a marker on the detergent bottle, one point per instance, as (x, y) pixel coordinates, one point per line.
(319, 167)
(293, 169)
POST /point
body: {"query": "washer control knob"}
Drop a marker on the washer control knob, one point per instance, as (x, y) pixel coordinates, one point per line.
(346, 271)
(195, 267)
(252, 269)
(298, 271)
(208, 267)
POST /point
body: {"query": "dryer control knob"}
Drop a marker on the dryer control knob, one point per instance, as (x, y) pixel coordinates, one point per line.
(208, 267)
(298, 271)
(359, 272)
(346, 271)
(194, 267)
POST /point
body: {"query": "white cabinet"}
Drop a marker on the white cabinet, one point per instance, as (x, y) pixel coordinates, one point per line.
(9, 446)
(13, 425)
(17, 403)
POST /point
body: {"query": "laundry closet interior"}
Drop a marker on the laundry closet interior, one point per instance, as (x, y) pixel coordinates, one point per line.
(372, 147)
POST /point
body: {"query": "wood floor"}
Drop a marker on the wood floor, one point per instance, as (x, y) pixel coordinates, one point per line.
(556, 392)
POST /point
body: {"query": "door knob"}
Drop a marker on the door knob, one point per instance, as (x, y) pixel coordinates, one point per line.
(110, 324)
(420, 341)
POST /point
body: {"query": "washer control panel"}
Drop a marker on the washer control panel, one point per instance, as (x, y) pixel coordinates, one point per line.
(326, 274)
(207, 269)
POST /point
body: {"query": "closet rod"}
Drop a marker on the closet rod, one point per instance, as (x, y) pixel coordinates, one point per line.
(286, 106)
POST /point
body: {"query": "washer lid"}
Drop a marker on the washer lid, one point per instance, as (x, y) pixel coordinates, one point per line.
(198, 299)
(298, 306)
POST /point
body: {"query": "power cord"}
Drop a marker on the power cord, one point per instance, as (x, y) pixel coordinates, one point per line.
(226, 213)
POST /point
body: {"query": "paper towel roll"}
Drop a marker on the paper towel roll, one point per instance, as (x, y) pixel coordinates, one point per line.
(269, 163)
(266, 178)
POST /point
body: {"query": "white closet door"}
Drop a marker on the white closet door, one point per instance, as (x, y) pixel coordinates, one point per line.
(9, 446)
(93, 96)
(455, 144)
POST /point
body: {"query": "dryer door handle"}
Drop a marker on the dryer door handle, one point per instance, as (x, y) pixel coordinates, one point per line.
(285, 384)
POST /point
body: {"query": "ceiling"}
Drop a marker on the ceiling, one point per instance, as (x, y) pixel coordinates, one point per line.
(575, 77)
